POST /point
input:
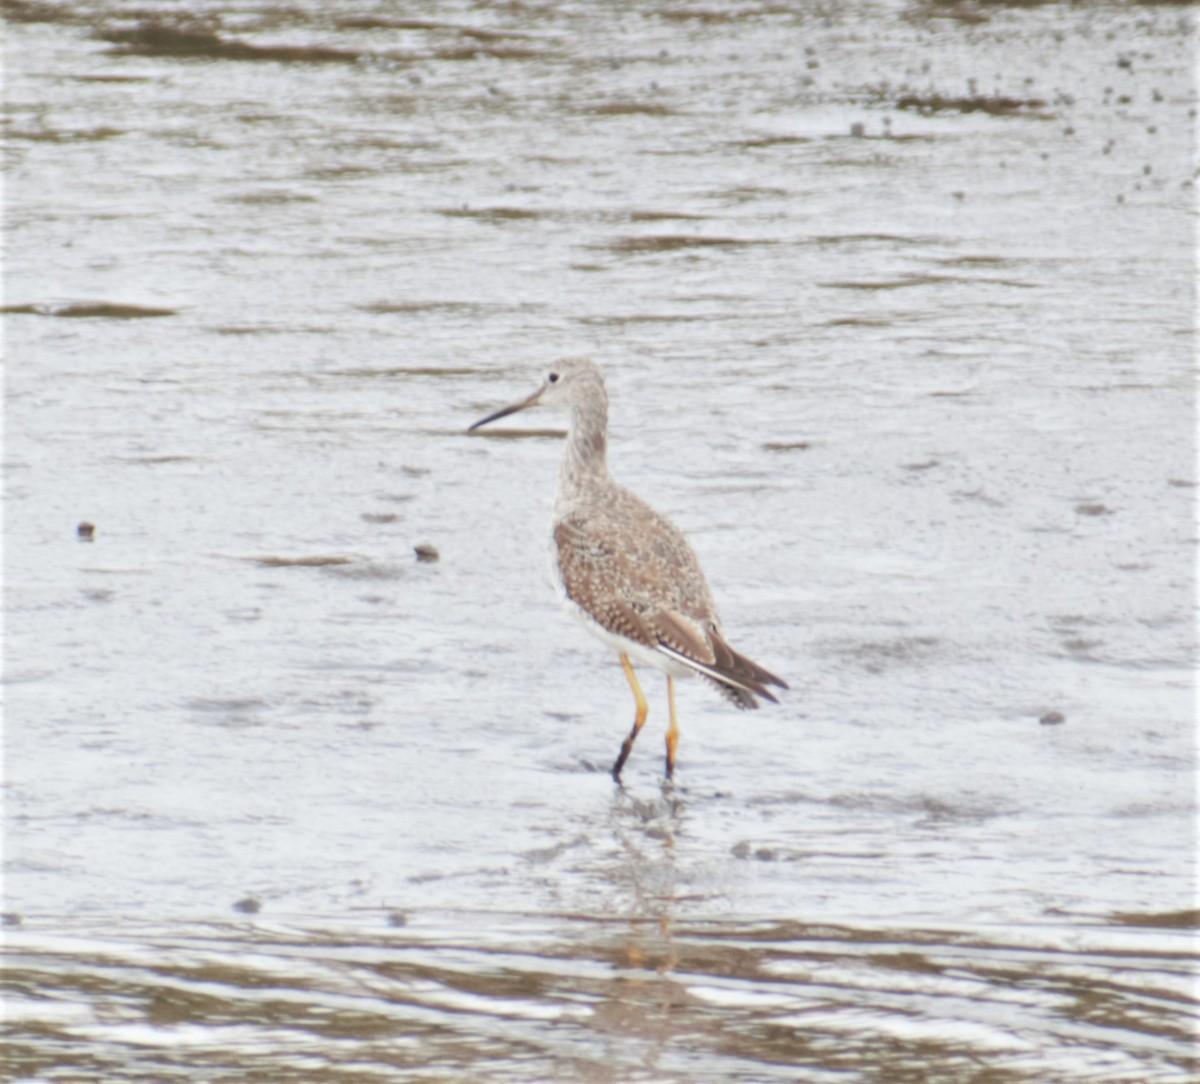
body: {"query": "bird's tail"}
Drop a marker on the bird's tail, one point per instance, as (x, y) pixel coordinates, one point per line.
(737, 678)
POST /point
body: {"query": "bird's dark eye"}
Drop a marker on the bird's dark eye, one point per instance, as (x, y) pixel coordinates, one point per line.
(553, 378)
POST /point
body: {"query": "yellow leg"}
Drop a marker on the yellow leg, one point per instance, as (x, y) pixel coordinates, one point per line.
(639, 719)
(673, 729)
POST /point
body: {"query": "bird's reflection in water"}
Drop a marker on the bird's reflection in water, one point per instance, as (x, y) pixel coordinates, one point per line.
(644, 1006)
(645, 869)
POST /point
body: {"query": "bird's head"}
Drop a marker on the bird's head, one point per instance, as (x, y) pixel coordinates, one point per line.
(570, 385)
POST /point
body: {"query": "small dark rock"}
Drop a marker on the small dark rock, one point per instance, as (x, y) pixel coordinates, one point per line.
(397, 918)
(86, 531)
(1052, 718)
(426, 552)
(10, 918)
(1093, 509)
(248, 906)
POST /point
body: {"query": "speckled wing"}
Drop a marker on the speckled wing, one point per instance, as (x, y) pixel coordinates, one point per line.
(621, 561)
(633, 572)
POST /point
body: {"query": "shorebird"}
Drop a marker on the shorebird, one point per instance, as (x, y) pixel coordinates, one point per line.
(626, 571)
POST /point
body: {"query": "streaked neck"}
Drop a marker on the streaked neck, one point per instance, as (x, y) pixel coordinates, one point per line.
(585, 462)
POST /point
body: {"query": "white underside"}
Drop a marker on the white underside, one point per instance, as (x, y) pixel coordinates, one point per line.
(638, 653)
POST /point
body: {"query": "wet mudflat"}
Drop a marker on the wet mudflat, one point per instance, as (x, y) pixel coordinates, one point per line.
(895, 303)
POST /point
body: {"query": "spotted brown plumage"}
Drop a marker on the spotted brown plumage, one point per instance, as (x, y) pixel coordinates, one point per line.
(625, 570)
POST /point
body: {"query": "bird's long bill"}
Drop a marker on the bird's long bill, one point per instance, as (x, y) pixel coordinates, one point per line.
(505, 411)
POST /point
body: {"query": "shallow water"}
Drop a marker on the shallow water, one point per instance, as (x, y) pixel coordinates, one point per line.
(895, 303)
(524, 997)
